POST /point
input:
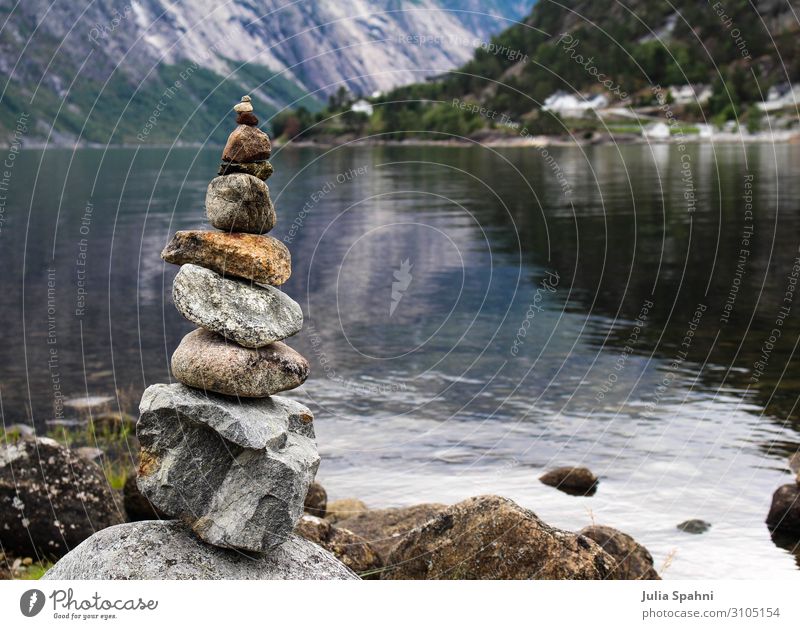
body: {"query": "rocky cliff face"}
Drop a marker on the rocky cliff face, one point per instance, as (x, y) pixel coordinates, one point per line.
(113, 60)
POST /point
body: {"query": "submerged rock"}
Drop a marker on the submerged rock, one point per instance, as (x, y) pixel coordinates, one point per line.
(205, 360)
(576, 481)
(316, 500)
(695, 527)
(489, 537)
(352, 550)
(168, 550)
(784, 513)
(247, 144)
(248, 314)
(262, 170)
(259, 258)
(633, 561)
(51, 498)
(240, 203)
(384, 529)
(236, 471)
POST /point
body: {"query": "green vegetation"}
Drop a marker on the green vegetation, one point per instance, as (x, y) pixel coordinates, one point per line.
(580, 45)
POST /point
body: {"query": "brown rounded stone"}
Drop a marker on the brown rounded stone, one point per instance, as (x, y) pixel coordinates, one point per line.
(248, 118)
(634, 561)
(352, 550)
(205, 360)
(247, 144)
(488, 537)
(259, 258)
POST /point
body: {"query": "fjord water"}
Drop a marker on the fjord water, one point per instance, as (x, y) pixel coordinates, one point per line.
(471, 320)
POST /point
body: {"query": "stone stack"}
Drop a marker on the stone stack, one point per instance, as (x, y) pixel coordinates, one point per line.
(220, 451)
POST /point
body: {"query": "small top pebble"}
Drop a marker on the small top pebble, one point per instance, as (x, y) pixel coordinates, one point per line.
(243, 107)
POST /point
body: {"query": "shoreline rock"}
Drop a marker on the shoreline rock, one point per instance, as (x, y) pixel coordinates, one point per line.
(576, 481)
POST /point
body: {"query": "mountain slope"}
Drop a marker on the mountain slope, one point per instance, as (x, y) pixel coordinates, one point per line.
(110, 64)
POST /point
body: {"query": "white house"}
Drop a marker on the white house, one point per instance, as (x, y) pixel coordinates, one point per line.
(362, 106)
(574, 105)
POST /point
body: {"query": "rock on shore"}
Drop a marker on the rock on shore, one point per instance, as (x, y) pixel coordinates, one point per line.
(168, 550)
(353, 551)
(489, 537)
(784, 513)
(51, 498)
(633, 561)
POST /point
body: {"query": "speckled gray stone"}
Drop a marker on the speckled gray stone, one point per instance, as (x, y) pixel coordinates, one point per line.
(246, 313)
(205, 360)
(240, 203)
(237, 472)
(168, 550)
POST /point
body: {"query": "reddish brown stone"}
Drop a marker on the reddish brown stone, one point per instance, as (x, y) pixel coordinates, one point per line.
(259, 258)
(247, 144)
(248, 118)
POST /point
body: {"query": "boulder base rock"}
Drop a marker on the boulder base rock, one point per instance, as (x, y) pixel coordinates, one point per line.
(205, 360)
(784, 513)
(489, 537)
(576, 481)
(168, 550)
(262, 170)
(236, 472)
(247, 144)
(51, 498)
(633, 561)
(248, 314)
(259, 258)
(316, 500)
(352, 550)
(384, 529)
(240, 203)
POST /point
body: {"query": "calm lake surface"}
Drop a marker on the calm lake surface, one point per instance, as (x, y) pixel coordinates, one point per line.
(509, 342)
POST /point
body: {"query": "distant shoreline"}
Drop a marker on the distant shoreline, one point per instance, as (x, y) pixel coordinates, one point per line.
(782, 137)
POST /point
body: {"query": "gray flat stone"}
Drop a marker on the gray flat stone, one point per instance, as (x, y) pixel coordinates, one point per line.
(246, 313)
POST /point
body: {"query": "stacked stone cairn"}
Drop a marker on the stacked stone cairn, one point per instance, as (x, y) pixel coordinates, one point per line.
(219, 450)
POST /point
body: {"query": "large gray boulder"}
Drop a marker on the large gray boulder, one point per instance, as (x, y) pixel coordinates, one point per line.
(237, 472)
(206, 360)
(240, 203)
(249, 314)
(168, 550)
(51, 498)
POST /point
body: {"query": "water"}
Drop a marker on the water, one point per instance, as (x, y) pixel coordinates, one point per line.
(508, 343)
